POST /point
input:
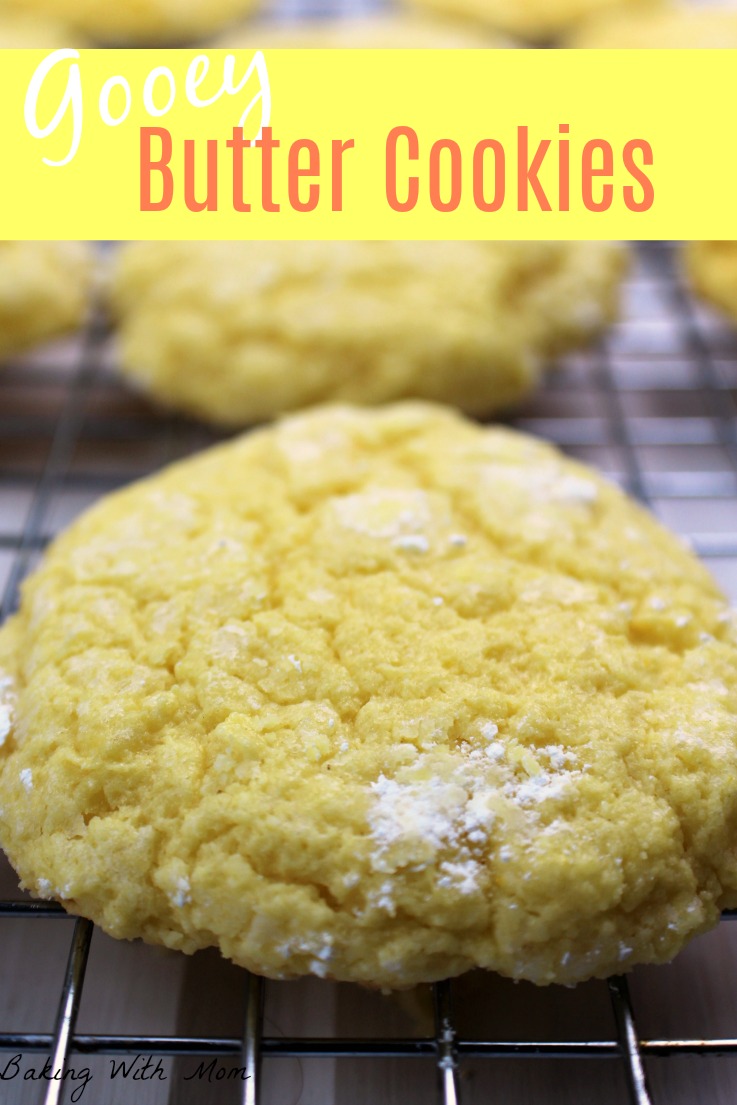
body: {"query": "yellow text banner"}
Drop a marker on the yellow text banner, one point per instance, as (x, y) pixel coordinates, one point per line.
(367, 144)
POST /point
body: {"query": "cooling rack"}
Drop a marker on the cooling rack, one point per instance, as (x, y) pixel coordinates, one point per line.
(654, 407)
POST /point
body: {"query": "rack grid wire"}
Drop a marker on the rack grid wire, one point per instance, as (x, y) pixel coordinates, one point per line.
(653, 405)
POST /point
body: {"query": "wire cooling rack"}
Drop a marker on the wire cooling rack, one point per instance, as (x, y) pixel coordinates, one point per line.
(653, 406)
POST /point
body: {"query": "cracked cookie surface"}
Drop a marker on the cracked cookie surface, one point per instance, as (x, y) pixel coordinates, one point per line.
(380, 696)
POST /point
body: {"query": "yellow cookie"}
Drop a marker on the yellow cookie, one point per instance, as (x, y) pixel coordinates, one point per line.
(380, 696)
(168, 22)
(533, 20)
(712, 268)
(401, 30)
(44, 291)
(669, 28)
(236, 332)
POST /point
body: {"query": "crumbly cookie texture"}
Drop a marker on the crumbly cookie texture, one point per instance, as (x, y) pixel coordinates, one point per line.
(533, 20)
(712, 269)
(672, 27)
(21, 31)
(45, 289)
(237, 332)
(380, 696)
(168, 22)
(401, 30)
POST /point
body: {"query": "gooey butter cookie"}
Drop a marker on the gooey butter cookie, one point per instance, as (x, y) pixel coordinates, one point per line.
(380, 696)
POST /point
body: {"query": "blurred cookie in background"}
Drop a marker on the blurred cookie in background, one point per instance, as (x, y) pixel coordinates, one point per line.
(670, 27)
(238, 332)
(383, 31)
(711, 266)
(712, 270)
(20, 31)
(536, 21)
(45, 290)
(132, 22)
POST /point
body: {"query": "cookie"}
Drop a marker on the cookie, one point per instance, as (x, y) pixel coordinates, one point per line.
(670, 28)
(379, 696)
(401, 30)
(19, 31)
(236, 332)
(164, 22)
(712, 269)
(533, 20)
(44, 291)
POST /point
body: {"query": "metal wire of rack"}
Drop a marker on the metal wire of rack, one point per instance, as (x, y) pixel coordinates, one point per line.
(654, 405)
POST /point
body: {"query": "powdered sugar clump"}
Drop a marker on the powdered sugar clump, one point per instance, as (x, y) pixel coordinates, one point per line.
(384, 513)
(6, 716)
(412, 542)
(463, 877)
(318, 946)
(575, 489)
(426, 818)
(7, 705)
(421, 817)
(181, 895)
(537, 788)
(442, 810)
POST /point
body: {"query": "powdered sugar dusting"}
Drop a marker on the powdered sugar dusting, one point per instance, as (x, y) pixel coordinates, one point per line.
(423, 815)
(317, 947)
(558, 756)
(463, 877)
(424, 820)
(575, 489)
(5, 722)
(538, 788)
(385, 513)
(412, 542)
(445, 810)
(181, 895)
(7, 707)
